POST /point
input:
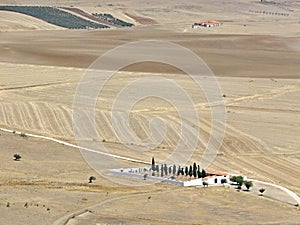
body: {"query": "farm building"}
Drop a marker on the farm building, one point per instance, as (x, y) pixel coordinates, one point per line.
(212, 178)
(208, 23)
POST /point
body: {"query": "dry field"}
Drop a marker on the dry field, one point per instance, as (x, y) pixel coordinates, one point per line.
(256, 61)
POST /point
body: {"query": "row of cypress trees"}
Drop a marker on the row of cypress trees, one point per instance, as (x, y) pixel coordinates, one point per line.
(191, 170)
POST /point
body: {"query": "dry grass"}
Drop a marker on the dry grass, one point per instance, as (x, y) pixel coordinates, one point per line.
(257, 66)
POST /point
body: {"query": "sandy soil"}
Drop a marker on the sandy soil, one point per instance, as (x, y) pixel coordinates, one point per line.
(256, 61)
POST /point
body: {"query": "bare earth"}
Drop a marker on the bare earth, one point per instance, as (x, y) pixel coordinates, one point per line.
(256, 61)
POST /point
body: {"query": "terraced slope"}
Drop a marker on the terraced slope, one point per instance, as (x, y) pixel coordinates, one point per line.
(55, 16)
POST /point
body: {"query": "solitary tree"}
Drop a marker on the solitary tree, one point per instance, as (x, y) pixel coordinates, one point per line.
(91, 179)
(17, 157)
(262, 190)
(248, 184)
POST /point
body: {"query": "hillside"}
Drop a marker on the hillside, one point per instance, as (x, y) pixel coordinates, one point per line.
(11, 21)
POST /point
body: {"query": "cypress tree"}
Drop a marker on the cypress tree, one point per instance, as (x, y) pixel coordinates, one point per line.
(179, 171)
(191, 171)
(166, 169)
(174, 169)
(157, 168)
(203, 173)
(186, 171)
(153, 164)
(195, 170)
(199, 173)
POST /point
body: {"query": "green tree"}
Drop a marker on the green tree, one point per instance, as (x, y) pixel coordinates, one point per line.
(17, 157)
(186, 171)
(205, 183)
(248, 184)
(157, 168)
(195, 170)
(162, 170)
(145, 176)
(153, 164)
(199, 174)
(166, 169)
(262, 190)
(191, 171)
(203, 173)
(179, 171)
(223, 181)
(174, 169)
(91, 179)
(237, 179)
